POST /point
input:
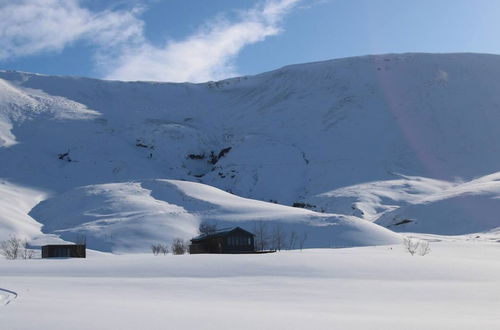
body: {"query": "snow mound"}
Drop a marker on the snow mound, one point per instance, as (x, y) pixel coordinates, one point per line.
(372, 199)
(15, 204)
(130, 216)
(464, 208)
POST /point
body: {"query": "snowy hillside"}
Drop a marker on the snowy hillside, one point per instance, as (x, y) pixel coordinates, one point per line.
(369, 139)
(129, 216)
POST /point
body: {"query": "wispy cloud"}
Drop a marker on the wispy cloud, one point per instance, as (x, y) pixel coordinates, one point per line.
(206, 55)
(30, 27)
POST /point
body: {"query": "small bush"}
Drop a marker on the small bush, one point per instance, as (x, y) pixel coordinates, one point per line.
(424, 248)
(15, 248)
(303, 205)
(11, 248)
(207, 228)
(26, 252)
(410, 245)
(416, 246)
(179, 246)
(159, 248)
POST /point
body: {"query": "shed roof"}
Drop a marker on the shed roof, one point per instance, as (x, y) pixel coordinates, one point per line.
(220, 233)
(62, 245)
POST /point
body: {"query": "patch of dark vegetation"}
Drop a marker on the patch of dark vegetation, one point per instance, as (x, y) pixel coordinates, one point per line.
(211, 160)
(224, 174)
(303, 205)
(65, 156)
(139, 143)
(356, 209)
(224, 83)
(207, 228)
(305, 158)
(223, 152)
(196, 156)
(402, 222)
(213, 157)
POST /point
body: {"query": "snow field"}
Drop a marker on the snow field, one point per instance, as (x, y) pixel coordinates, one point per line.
(454, 287)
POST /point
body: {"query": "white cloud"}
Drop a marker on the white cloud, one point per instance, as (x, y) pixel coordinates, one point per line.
(29, 27)
(206, 55)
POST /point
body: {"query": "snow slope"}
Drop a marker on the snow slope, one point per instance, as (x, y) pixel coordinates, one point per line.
(15, 204)
(360, 137)
(469, 207)
(128, 217)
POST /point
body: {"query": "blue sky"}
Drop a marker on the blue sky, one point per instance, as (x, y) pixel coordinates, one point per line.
(193, 40)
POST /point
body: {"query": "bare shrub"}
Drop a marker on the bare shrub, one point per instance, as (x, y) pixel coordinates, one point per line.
(159, 248)
(261, 236)
(411, 245)
(179, 246)
(424, 248)
(81, 242)
(278, 237)
(416, 246)
(292, 240)
(26, 252)
(11, 248)
(302, 239)
(207, 228)
(155, 248)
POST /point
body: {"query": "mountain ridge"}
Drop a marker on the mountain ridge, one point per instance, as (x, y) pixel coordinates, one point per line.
(290, 136)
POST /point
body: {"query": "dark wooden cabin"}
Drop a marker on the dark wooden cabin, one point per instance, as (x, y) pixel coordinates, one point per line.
(229, 240)
(64, 251)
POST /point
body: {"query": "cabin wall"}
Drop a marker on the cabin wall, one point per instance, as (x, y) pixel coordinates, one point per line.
(223, 245)
(239, 244)
(233, 241)
(64, 251)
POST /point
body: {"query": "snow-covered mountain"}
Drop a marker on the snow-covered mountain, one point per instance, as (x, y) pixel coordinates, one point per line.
(404, 141)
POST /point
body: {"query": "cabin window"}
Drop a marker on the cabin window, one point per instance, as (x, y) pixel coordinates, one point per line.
(239, 241)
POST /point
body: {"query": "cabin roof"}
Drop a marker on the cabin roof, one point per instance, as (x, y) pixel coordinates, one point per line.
(62, 245)
(220, 233)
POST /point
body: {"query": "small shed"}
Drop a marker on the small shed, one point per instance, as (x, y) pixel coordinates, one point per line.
(228, 240)
(64, 251)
